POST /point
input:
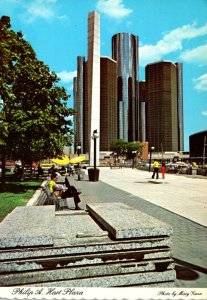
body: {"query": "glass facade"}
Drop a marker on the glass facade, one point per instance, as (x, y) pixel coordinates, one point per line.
(180, 106)
(162, 119)
(125, 52)
(143, 121)
(79, 103)
(75, 108)
(108, 103)
(143, 111)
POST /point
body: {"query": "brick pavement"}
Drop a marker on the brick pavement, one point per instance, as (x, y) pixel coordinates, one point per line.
(189, 238)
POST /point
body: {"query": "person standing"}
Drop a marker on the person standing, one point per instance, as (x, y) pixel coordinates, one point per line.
(155, 169)
(163, 169)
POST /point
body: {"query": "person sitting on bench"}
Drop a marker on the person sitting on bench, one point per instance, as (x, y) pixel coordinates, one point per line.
(52, 182)
(58, 193)
(56, 196)
(72, 192)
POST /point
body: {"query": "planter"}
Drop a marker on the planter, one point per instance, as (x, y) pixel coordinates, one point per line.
(93, 174)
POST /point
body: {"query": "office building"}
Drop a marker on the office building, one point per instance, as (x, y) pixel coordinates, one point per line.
(162, 98)
(179, 68)
(79, 90)
(143, 111)
(125, 52)
(108, 103)
(198, 144)
(93, 75)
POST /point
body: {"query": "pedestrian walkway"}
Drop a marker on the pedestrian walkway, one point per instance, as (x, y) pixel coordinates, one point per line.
(178, 200)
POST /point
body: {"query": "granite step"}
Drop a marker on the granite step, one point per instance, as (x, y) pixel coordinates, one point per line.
(109, 245)
(134, 279)
(122, 221)
(85, 271)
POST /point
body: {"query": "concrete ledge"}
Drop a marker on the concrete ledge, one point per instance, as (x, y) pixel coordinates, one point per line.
(22, 277)
(116, 280)
(28, 226)
(124, 245)
(39, 196)
(123, 221)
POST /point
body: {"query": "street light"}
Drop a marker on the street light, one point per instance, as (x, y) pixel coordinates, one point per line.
(79, 171)
(115, 157)
(78, 150)
(151, 149)
(94, 137)
(93, 173)
(134, 152)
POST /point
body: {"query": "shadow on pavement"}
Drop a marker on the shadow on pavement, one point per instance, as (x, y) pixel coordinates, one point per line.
(184, 273)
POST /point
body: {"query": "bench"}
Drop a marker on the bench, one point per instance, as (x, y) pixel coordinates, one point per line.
(41, 196)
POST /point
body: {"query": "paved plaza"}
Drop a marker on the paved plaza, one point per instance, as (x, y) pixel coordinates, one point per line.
(179, 200)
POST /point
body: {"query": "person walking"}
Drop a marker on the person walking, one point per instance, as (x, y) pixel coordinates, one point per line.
(155, 169)
(163, 169)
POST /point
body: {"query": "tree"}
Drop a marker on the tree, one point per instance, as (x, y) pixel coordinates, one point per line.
(127, 149)
(132, 148)
(119, 147)
(34, 114)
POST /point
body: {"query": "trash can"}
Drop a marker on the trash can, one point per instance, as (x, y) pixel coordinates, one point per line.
(194, 171)
(93, 174)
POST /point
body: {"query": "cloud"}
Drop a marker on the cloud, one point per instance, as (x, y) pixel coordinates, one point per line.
(67, 77)
(171, 42)
(200, 83)
(197, 55)
(33, 9)
(113, 8)
(204, 113)
(40, 11)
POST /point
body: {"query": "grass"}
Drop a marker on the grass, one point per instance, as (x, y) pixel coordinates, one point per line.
(17, 194)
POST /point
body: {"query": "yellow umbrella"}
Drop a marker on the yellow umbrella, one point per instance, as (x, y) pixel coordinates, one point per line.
(62, 162)
(77, 159)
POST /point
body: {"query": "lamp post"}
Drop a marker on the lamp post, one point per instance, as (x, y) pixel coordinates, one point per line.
(115, 158)
(151, 149)
(95, 136)
(78, 152)
(94, 173)
(134, 152)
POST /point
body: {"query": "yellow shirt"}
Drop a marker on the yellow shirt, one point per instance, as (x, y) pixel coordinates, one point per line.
(50, 185)
(156, 164)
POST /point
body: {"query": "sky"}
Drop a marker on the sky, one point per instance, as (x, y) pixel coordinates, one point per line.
(168, 30)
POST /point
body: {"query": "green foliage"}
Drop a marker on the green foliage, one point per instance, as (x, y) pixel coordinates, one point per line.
(17, 194)
(133, 148)
(119, 146)
(34, 117)
(122, 148)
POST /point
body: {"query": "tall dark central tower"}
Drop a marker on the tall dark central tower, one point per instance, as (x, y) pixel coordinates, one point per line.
(125, 52)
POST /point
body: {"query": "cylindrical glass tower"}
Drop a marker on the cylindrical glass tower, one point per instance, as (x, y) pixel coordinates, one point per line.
(125, 52)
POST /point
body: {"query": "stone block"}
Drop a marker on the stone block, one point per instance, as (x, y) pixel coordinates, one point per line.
(123, 221)
(101, 246)
(137, 279)
(28, 226)
(86, 259)
(23, 277)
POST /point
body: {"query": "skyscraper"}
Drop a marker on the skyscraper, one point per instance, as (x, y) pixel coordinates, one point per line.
(93, 72)
(162, 96)
(108, 102)
(125, 52)
(179, 68)
(143, 111)
(79, 102)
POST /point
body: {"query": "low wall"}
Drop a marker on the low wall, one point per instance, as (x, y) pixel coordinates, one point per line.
(39, 196)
